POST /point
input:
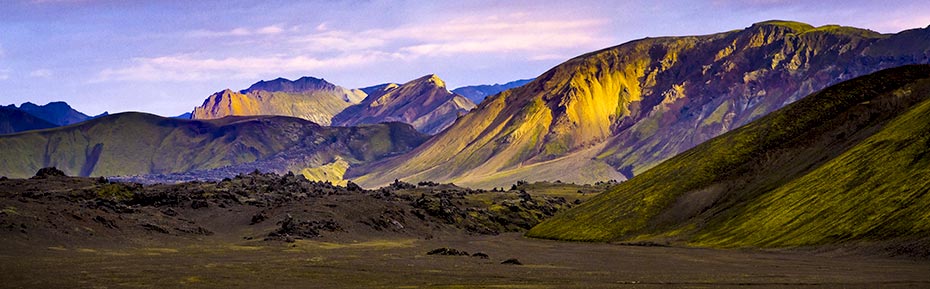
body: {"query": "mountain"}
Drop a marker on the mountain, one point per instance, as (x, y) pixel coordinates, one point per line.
(58, 113)
(617, 112)
(112, 145)
(14, 120)
(379, 89)
(185, 115)
(477, 93)
(424, 103)
(850, 163)
(308, 98)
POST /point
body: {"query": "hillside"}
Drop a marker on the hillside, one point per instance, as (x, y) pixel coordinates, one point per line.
(424, 103)
(308, 98)
(615, 113)
(477, 93)
(14, 120)
(112, 145)
(847, 164)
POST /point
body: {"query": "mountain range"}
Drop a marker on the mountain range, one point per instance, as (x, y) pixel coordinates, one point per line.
(13, 119)
(608, 114)
(29, 116)
(847, 164)
(425, 103)
(58, 113)
(615, 113)
(477, 93)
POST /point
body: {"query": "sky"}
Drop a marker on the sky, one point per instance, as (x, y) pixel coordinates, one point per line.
(167, 56)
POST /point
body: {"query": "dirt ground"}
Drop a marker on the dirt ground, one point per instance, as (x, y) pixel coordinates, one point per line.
(61, 232)
(403, 263)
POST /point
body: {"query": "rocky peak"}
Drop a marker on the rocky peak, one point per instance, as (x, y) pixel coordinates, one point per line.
(302, 84)
(424, 103)
(378, 90)
(430, 80)
(56, 112)
(795, 27)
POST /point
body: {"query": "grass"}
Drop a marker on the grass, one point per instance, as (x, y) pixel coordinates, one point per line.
(877, 190)
(116, 192)
(738, 166)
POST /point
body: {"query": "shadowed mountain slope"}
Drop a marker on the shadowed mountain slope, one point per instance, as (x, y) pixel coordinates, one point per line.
(14, 120)
(847, 164)
(615, 113)
(58, 113)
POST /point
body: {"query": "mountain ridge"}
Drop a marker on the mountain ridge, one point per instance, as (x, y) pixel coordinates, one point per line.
(648, 99)
(424, 103)
(56, 112)
(477, 93)
(14, 120)
(307, 98)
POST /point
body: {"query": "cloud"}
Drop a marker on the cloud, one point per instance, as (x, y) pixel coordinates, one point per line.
(190, 68)
(897, 24)
(4, 74)
(58, 1)
(41, 73)
(516, 36)
(239, 31)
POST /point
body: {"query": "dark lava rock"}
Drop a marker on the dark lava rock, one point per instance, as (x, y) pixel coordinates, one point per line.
(480, 255)
(197, 204)
(44, 173)
(195, 230)
(353, 187)
(645, 244)
(155, 228)
(398, 185)
(293, 228)
(447, 252)
(258, 218)
(106, 223)
(169, 212)
(511, 261)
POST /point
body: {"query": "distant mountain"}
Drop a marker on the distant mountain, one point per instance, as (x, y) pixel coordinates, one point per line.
(308, 98)
(58, 113)
(379, 89)
(477, 93)
(617, 112)
(850, 163)
(112, 145)
(424, 103)
(13, 119)
(185, 115)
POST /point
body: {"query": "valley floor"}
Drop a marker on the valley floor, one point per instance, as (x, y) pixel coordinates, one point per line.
(403, 263)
